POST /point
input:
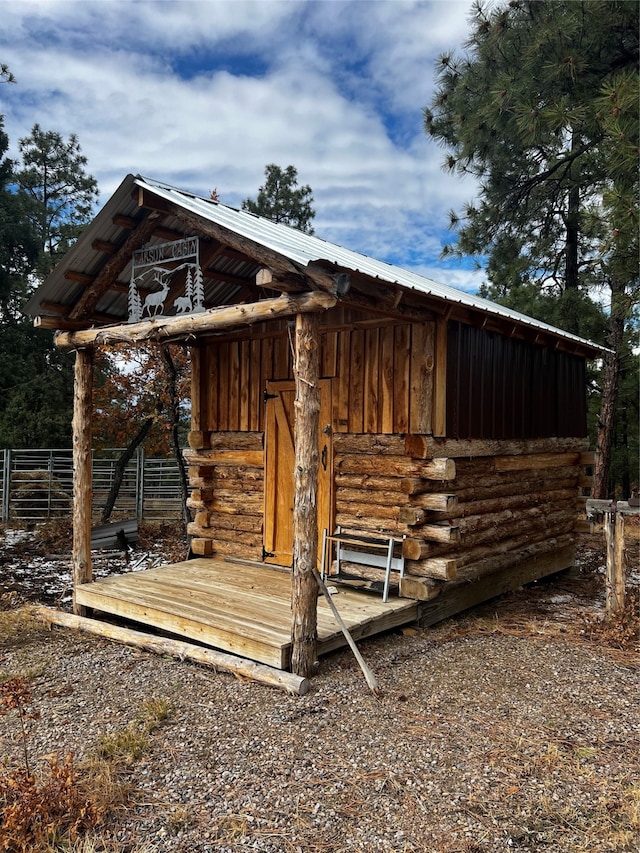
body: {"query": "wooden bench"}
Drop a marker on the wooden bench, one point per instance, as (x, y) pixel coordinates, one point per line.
(117, 534)
(382, 553)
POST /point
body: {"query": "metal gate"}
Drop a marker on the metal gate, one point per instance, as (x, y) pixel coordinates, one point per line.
(38, 484)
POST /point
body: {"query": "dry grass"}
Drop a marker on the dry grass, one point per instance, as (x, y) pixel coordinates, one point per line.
(179, 818)
(19, 623)
(97, 844)
(56, 806)
(529, 613)
(535, 767)
(55, 803)
(39, 493)
(37, 810)
(130, 743)
(126, 745)
(155, 711)
(168, 537)
(618, 630)
(587, 630)
(55, 535)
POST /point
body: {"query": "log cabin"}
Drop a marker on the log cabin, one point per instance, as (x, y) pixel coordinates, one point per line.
(338, 404)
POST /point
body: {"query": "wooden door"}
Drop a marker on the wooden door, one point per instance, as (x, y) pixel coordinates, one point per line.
(279, 467)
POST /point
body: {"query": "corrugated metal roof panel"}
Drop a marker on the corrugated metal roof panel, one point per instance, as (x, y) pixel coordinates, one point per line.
(82, 257)
(300, 248)
(307, 248)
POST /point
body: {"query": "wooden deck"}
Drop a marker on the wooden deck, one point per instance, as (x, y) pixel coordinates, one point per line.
(241, 609)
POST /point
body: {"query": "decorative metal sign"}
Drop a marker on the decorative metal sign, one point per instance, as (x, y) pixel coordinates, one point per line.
(155, 267)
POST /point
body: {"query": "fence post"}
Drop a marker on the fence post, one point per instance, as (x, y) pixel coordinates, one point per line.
(49, 482)
(615, 581)
(140, 483)
(6, 479)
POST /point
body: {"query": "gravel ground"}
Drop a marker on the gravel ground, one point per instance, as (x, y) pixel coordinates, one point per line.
(515, 727)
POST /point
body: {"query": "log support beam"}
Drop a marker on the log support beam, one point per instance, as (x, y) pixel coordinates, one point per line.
(304, 592)
(182, 650)
(183, 326)
(82, 412)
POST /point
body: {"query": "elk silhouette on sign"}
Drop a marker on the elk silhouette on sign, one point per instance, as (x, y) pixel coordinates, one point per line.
(156, 299)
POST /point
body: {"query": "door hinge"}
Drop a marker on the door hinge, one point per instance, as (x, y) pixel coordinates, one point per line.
(267, 396)
(266, 554)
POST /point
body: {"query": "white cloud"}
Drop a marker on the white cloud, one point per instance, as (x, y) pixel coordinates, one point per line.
(205, 94)
(468, 280)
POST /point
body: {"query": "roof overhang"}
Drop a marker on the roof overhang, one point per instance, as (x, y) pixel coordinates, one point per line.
(246, 260)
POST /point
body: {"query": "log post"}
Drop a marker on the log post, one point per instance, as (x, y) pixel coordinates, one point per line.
(304, 591)
(82, 412)
(615, 581)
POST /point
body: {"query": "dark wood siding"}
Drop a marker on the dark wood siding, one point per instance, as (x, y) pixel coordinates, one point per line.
(499, 387)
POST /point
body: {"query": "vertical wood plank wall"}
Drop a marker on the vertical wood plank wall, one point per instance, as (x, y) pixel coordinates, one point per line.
(383, 378)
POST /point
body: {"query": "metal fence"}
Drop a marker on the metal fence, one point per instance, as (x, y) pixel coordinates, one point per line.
(38, 484)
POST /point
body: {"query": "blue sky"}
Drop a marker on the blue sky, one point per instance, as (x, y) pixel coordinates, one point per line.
(205, 93)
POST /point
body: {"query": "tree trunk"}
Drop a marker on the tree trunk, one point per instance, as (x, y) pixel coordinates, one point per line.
(174, 414)
(606, 419)
(121, 466)
(572, 272)
(304, 592)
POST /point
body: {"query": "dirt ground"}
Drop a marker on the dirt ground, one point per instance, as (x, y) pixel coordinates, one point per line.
(515, 726)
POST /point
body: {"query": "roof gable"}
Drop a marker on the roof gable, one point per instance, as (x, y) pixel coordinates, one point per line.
(89, 286)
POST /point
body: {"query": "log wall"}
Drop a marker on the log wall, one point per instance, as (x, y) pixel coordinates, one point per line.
(466, 509)
(227, 497)
(482, 508)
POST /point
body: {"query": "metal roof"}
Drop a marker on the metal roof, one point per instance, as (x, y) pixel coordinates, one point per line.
(298, 247)
(306, 248)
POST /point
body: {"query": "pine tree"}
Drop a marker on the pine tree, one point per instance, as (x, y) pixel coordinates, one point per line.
(61, 194)
(36, 379)
(18, 240)
(542, 110)
(5, 74)
(134, 302)
(198, 291)
(280, 199)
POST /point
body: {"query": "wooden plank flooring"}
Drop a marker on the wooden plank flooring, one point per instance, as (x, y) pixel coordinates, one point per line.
(241, 609)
